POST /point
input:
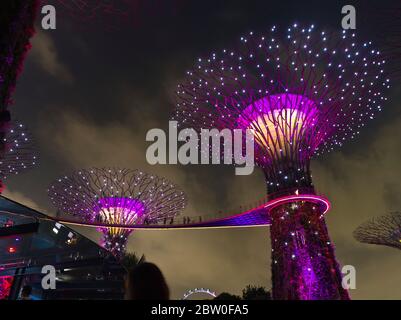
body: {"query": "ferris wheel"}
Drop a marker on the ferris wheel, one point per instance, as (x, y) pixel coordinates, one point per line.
(199, 291)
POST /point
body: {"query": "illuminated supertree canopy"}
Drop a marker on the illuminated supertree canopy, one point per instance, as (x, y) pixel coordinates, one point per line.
(19, 153)
(302, 92)
(17, 27)
(384, 230)
(116, 197)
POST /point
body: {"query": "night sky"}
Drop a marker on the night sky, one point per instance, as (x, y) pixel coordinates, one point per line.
(89, 95)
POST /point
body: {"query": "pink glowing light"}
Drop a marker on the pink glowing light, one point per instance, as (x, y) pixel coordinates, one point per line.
(300, 197)
(122, 211)
(281, 123)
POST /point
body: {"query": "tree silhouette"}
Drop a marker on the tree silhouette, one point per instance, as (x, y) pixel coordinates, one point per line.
(227, 296)
(248, 293)
(131, 260)
(255, 293)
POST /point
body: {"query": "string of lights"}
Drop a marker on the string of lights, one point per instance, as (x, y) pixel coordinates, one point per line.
(19, 152)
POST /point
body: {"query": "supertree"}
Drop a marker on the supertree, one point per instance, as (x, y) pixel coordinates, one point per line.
(116, 197)
(302, 93)
(18, 154)
(16, 28)
(384, 230)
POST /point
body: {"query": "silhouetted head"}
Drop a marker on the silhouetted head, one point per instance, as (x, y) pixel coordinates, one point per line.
(146, 282)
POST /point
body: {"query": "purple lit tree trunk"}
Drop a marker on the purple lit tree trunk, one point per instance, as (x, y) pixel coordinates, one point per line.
(303, 263)
(302, 93)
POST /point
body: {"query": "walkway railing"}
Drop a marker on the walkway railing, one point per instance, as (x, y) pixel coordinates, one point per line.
(254, 214)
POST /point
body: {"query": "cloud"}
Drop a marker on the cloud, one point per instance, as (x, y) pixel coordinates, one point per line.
(44, 53)
(22, 198)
